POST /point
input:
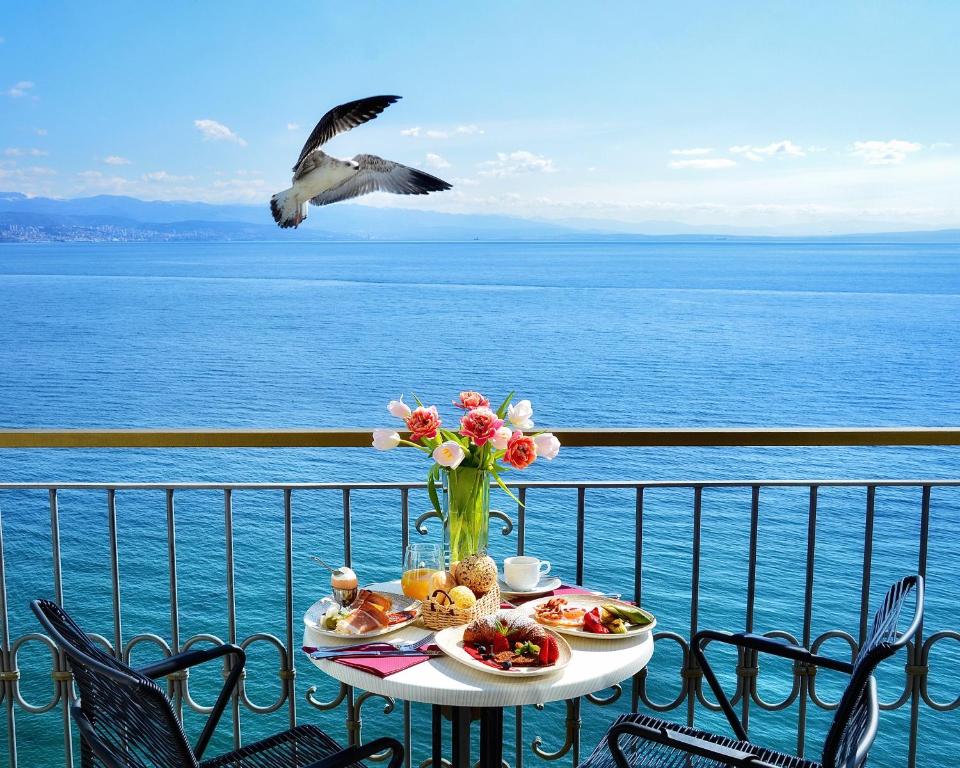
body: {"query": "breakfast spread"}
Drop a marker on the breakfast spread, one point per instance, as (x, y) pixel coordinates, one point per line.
(508, 640)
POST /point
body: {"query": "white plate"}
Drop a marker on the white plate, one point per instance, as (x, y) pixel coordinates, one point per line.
(547, 584)
(315, 613)
(450, 641)
(588, 602)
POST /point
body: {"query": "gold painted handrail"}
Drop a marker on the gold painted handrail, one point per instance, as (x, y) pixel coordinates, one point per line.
(585, 437)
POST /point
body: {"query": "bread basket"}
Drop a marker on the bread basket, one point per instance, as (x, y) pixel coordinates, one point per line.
(437, 615)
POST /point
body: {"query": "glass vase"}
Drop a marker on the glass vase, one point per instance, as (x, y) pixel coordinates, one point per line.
(466, 502)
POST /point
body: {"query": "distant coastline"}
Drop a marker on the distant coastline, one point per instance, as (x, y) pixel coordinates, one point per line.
(110, 218)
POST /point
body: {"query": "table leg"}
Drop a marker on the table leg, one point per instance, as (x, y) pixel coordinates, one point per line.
(461, 737)
(437, 755)
(491, 737)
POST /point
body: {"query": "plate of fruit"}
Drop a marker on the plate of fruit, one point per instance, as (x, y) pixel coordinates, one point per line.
(506, 643)
(372, 613)
(591, 616)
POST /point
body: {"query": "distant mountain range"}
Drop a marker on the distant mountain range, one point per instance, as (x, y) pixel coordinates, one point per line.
(106, 218)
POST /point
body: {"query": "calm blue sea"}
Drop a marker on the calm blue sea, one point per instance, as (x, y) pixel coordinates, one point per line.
(306, 334)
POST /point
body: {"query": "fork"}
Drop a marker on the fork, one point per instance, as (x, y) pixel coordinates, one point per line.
(411, 645)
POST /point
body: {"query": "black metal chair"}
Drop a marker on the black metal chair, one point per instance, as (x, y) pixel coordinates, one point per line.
(127, 721)
(642, 741)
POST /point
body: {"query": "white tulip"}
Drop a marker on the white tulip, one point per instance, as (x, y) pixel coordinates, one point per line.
(548, 446)
(501, 437)
(385, 439)
(521, 415)
(399, 408)
(449, 454)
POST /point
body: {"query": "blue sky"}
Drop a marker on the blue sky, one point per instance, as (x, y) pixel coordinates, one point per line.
(795, 116)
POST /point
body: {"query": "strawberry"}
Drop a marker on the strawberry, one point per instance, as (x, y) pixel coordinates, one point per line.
(501, 642)
(592, 623)
(549, 652)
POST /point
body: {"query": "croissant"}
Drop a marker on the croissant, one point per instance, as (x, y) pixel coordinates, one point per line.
(518, 629)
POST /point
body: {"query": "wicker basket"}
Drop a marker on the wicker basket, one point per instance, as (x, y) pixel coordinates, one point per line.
(437, 616)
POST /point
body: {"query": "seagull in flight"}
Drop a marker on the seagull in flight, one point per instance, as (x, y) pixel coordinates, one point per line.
(321, 179)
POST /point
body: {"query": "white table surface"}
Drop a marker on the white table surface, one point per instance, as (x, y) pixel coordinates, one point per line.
(594, 666)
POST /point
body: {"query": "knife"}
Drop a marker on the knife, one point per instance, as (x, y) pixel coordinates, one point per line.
(322, 655)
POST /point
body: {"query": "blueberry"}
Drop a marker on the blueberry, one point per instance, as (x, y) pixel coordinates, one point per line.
(505, 665)
(481, 649)
(488, 657)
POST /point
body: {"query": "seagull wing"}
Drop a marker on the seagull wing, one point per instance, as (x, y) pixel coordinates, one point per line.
(343, 118)
(374, 174)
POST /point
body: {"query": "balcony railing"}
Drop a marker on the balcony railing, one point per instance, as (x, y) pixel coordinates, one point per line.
(635, 506)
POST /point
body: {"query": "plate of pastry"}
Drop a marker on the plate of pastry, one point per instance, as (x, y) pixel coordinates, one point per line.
(506, 643)
(372, 613)
(599, 618)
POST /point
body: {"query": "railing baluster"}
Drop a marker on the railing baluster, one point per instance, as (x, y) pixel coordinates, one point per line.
(353, 717)
(807, 618)
(64, 685)
(867, 561)
(231, 603)
(748, 680)
(693, 672)
(291, 672)
(114, 572)
(347, 556)
(917, 659)
(404, 521)
(7, 663)
(174, 597)
(637, 583)
(581, 524)
(521, 520)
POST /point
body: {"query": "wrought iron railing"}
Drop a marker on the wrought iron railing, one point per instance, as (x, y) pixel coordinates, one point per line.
(911, 690)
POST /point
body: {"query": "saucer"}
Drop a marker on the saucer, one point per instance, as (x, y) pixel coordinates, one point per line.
(546, 584)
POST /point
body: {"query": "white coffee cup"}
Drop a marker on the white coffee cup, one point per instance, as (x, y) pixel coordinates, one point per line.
(524, 573)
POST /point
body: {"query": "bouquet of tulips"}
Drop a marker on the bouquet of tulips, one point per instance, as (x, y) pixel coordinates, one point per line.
(485, 442)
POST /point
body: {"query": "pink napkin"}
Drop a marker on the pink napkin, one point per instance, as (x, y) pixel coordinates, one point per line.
(387, 665)
(563, 589)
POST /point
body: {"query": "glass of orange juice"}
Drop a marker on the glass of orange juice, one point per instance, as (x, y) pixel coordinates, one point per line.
(420, 562)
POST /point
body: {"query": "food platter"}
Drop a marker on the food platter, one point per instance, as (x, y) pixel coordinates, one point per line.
(315, 614)
(450, 641)
(587, 603)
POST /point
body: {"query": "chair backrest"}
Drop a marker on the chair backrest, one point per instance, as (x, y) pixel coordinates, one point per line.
(124, 717)
(854, 724)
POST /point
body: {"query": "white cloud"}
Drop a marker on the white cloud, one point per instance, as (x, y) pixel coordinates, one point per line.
(785, 148)
(293, 126)
(941, 145)
(214, 131)
(40, 131)
(17, 152)
(164, 177)
(19, 89)
(465, 182)
(437, 133)
(435, 161)
(116, 160)
(705, 163)
(891, 152)
(692, 151)
(515, 163)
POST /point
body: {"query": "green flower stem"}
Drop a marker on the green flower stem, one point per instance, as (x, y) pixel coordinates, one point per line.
(467, 499)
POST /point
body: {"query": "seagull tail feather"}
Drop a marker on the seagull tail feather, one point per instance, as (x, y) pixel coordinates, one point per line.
(287, 212)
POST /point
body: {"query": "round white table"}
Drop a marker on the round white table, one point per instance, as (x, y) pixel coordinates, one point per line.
(442, 681)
